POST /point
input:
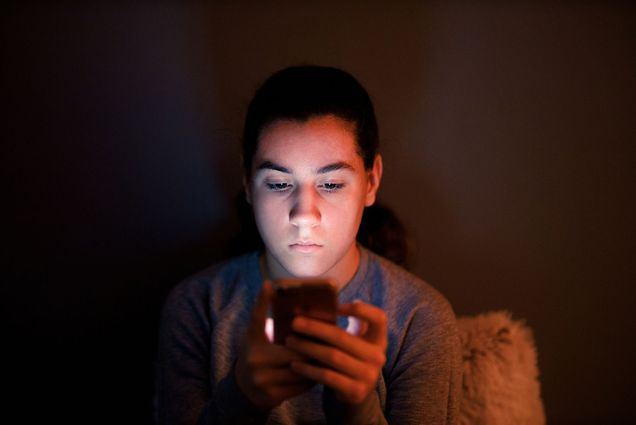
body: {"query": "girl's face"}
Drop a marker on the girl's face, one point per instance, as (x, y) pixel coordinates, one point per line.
(308, 190)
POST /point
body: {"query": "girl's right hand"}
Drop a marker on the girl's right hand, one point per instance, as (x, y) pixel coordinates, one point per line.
(262, 370)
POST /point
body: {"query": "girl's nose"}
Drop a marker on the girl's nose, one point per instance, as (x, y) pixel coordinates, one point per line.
(305, 211)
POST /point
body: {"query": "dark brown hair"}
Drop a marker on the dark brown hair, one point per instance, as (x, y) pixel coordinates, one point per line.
(302, 92)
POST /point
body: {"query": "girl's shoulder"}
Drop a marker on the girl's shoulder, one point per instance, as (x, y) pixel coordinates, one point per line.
(402, 290)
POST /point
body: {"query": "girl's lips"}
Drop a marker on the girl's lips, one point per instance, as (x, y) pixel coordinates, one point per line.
(305, 248)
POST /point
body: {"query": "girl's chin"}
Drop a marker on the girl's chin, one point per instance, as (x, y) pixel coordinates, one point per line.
(306, 268)
(306, 272)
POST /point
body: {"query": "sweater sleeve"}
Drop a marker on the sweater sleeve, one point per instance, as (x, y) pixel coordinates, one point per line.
(424, 385)
(182, 388)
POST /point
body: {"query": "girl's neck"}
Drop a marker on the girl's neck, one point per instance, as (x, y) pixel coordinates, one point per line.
(340, 274)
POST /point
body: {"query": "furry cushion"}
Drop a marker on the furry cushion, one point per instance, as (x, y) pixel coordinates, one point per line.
(500, 380)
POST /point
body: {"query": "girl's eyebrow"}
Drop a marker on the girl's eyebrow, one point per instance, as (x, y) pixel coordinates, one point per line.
(340, 165)
(269, 165)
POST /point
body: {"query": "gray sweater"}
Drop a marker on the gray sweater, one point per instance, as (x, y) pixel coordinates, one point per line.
(205, 317)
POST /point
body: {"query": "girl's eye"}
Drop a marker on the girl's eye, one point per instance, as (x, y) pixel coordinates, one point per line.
(332, 187)
(278, 187)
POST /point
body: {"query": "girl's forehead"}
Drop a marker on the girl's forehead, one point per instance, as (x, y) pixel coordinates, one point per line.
(317, 140)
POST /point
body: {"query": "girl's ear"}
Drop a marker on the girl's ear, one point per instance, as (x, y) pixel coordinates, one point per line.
(374, 176)
(248, 192)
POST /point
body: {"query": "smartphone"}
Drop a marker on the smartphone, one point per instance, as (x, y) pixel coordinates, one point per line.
(315, 298)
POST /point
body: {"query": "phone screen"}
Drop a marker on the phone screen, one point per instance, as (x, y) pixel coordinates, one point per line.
(293, 297)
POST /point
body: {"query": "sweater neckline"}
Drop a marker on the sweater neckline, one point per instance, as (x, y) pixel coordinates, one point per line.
(351, 288)
(347, 290)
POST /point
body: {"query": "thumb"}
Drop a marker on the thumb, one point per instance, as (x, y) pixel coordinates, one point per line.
(358, 327)
(259, 312)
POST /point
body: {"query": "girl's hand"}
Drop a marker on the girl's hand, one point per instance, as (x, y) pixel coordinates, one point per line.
(262, 370)
(349, 364)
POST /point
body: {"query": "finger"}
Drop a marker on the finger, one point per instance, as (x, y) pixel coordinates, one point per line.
(283, 392)
(278, 376)
(357, 346)
(357, 326)
(322, 375)
(336, 359)
(352, 390)
(272, 355)
(374, 316)
(259, 312)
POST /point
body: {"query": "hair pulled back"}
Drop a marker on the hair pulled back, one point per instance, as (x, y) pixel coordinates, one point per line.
(301, 92)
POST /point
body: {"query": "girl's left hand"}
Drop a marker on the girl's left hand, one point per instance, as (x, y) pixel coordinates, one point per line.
(352, 363)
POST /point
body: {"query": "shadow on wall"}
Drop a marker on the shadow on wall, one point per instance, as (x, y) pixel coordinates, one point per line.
(117, 188)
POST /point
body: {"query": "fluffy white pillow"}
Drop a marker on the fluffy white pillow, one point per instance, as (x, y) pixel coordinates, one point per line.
(500, 379)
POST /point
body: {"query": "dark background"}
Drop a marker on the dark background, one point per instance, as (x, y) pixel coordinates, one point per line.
(508, 137)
